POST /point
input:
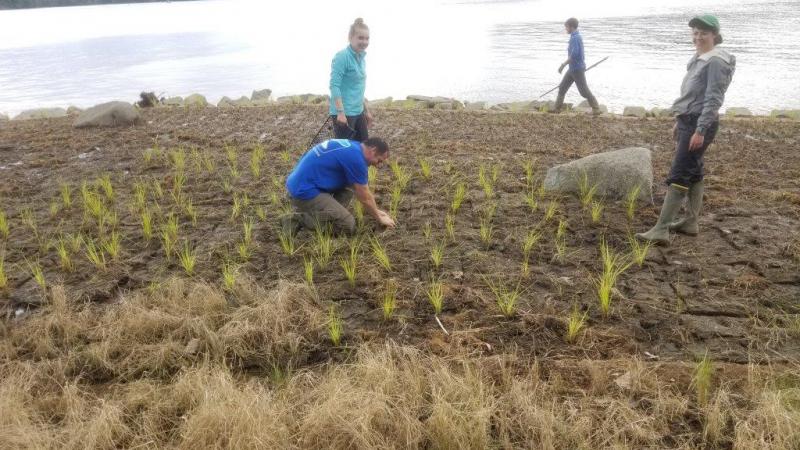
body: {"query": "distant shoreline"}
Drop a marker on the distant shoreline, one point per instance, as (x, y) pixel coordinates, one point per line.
(31, 4)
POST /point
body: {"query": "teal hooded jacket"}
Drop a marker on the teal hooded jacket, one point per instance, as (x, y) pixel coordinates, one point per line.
(348, 81)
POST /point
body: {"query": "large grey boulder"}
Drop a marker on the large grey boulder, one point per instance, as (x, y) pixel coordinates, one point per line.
(111, 114)
(174, 101)
(261, 97)
(615, 173)
(635, 111)
(786, 113)
(225, 102)
(74, 111)
(583, 107)
(475, 106)
(661, 112)
(381, 102)
(195, 100)
(41, 113)
(738, 112)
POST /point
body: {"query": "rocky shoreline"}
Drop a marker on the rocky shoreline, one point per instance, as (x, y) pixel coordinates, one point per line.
(264, 98)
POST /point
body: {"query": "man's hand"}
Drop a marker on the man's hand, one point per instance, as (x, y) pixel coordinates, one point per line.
(696, 143)
(369, 118)
(341, 118)
(561, 68)
(385, 219)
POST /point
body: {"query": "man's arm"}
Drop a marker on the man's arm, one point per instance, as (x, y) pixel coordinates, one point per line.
(366, 198)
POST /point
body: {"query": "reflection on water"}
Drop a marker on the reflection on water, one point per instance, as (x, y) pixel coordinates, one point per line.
(475, 50)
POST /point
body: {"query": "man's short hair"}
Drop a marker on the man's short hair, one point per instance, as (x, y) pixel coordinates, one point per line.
(572, 23)
(379, 144)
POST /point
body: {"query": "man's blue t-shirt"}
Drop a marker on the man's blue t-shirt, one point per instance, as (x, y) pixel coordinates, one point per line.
(329, 166)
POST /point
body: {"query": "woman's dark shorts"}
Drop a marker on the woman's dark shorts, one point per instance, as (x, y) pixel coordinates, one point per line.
(355, 130)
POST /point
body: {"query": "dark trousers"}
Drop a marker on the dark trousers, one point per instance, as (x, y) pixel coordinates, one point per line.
(687, 167)
(579, 78)
(355, 130)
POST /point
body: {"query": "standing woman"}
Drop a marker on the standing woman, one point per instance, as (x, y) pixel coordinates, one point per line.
(348, 107)
(708, 76)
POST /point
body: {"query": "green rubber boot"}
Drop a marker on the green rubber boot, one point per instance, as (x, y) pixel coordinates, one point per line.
(659, 234)
(688, 225)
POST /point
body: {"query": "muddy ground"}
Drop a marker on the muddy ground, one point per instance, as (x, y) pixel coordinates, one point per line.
(733, 291)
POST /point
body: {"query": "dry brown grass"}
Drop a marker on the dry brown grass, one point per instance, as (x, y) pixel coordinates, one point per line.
(124, 375)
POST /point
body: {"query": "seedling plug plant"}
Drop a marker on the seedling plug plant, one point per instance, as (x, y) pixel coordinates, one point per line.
(639, 249)
(630, 201)
(4, 228)
(188, 258)
(458, 197)
(389, 299)
(702, 379)
(505, 297)
(435, 295)
(335, 326)
(379, 252)
(576, 323)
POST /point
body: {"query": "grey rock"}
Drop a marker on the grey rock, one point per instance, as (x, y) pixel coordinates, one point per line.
(195, 100)
(262, 96)
(381, 102)
(74, 111)
(738, 112)
(225, 102)
(313, 99)
(614, 172)
(583, 107)
(661, 112)
(41, 113)
(635, 111)
(111, 114)
(243, 101)
(174, 101)
(786, 113)
(475, 105)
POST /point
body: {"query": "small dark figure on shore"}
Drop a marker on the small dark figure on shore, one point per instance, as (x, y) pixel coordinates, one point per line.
(348, 107)
(322, 184)
(708, 76)
(577, 69)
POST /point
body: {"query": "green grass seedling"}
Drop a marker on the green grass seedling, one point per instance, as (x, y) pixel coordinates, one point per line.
(702, 379)
(576, 323)
(639, 249)
(29, 220)
(54, 207)
(550, 212)
(389, 299)
(63, 256)
(255, 161)
(458, 197)
(532, 199)
(236, 208)
(112, 246)
(358, 212)
(38, 275)
(613, 266)
(244, 251)
(178, 159)
(230, 272)
(397, 195)
(146, 219)
(286, 239)
(586, 191)
(104, 183)
(335, 326)
(139, 195)
(75, 242)
(308, 268)
(426, 229)
(158, 191)
(323, 245)
(597, 211)
(372, 174)
(286, 156)
(435, 295)
(350, 264)
(630, 201)
(486, 232)
(188, 258)
(528, 173)
(247, 230)
(261, 213)
(168, 243)
(66, 195)
(190, 211)
(531, 239)
(379, 252)
(505, 297)
(400, 175)
(486, 181)
(560, 241)
(425, 167)
(3, 276)
(437, 254)
(450, 226)
(5, 230)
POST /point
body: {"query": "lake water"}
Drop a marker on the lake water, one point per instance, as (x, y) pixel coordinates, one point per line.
(493, 50)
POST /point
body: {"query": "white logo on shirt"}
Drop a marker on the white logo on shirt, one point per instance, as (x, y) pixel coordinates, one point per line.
(323, 146)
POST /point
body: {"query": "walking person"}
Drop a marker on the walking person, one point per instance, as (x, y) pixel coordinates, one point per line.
(348, 107)
(577, 69)
(708, 76)
(323, 183)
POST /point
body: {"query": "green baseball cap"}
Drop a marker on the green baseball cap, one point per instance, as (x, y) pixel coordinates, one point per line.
(705, 21)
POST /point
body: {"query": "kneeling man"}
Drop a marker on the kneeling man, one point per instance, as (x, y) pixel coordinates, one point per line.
(326, 177)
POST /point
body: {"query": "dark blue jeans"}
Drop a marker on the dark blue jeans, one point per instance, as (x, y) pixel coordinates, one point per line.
(687, 167)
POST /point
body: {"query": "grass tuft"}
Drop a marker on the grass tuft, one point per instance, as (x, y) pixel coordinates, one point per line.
(335, 326)
(630, 201)
(702, 379)
(379, 252)
(187, 258)
(389, 299)
(576, 323)
(435, 293)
